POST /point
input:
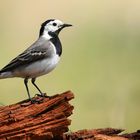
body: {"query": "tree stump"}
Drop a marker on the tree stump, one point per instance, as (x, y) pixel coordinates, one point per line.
(48, 120)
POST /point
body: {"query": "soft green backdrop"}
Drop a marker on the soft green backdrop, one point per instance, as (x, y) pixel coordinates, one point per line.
(100, 61)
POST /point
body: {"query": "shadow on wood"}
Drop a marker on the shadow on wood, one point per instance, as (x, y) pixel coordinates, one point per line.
(48, 120)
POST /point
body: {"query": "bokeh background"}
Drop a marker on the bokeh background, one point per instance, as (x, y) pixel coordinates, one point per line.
(100, 61)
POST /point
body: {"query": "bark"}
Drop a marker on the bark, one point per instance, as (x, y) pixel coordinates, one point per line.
(40, 121)
(101, 134)
(48, 120)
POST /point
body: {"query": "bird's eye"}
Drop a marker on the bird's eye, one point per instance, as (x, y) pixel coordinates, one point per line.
(54, 24)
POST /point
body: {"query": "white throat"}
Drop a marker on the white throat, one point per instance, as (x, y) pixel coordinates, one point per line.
(46, 35)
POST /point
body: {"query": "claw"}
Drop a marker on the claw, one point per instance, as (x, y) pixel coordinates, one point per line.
(34, 101)
(43, 95)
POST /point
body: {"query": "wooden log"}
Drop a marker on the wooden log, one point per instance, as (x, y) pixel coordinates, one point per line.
(101, 134)
(48, 120)
(45, 120)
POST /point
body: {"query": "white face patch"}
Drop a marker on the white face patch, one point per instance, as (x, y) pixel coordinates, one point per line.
(54, 25)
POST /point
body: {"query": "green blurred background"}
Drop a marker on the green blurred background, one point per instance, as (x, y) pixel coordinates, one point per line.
(100, 61)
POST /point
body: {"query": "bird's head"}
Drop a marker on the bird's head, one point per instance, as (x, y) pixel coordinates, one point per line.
(52, 27)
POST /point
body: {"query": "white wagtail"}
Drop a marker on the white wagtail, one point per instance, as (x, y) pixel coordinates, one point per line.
(40, 58)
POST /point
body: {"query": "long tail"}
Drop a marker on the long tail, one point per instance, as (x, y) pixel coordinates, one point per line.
(4, 75)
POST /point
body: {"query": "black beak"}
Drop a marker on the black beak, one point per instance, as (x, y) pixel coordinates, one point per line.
(66, 25)
(62, 26)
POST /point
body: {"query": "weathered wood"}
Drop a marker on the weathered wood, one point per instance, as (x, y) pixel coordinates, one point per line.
(48, 120)
(101, 134)
(44, 120)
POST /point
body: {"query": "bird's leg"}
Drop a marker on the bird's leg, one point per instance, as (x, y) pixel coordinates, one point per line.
(33, 82)
(26, 85)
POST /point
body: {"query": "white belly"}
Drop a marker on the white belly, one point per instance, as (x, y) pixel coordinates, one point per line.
(38, 68)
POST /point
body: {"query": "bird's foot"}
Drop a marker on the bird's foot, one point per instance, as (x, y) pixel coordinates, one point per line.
(38, 100)
(43, 95)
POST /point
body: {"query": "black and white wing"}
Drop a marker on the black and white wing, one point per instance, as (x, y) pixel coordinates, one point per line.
(32, 54)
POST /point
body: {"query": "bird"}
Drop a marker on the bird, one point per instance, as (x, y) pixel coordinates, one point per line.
(38, 59)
